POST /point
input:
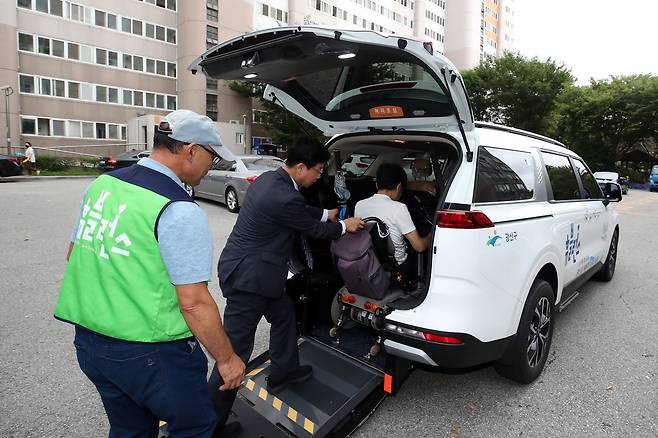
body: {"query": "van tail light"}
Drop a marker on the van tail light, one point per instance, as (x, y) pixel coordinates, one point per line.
(442, 339)
(347, 298)
(361, 165)
(112, 161)
(462, 219)
(251, 179)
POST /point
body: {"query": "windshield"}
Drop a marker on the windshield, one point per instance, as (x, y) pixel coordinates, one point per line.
(654, 171)
(262, 163)
(342, 87)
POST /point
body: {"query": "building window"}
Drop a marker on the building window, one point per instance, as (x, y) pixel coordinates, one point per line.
(25, 42)
(112, 58)
(58, 48)
(113, 95)
(160, 67)
(101, 56)
(27, 4)
(150, 100)
(28, 126)
(137, 27)
(56, 8)
(101, 94)
(73, 51)
(44, 87)
(100, 130)
(138, 98)
(171, 36)
(259, 116)
(112, 131)
(127, 61)
(74, 128)
(58, 128)
(87, 130)
(127, 97)
(111, 21)
(26, 84)
(59, 88)
(44, 46)
(211, 83)
(150, 30)
(159, 33)
(138, 63)
(212, 10)
(150, 65)
(41, 5)
(43, 127)
(171, 69)
(171, 102)
(74, 90)
(125, 25)
(211, 106)
(160, 101)
(212, 34)
(100, 18)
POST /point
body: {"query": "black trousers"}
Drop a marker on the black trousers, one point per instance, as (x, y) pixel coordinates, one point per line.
(241, 317)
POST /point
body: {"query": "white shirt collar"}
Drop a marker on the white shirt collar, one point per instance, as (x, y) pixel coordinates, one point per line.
(293, 182)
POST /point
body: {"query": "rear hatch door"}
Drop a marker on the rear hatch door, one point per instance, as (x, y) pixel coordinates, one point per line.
(346, 81)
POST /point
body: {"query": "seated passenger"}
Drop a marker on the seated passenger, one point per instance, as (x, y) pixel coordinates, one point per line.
(385, 206)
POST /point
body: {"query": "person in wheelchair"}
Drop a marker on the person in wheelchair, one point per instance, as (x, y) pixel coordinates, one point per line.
(385, 205)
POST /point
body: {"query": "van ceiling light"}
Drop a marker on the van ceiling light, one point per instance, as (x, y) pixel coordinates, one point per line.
(250, 76)
(346, 55)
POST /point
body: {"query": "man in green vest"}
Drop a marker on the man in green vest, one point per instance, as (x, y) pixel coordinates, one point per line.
(135, 289)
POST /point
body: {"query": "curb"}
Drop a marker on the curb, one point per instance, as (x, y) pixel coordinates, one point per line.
(37, 178)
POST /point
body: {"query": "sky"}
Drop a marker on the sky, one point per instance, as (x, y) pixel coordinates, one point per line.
(594, 38)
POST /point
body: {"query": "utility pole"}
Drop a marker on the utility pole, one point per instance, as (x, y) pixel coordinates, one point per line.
(244, 138)
(8, 92)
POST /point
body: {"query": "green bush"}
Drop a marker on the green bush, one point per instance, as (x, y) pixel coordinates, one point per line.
(63, 163)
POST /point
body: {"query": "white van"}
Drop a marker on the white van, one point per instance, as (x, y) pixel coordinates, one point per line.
(518, 221)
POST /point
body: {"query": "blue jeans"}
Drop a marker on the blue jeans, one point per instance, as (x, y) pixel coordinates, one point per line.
(142, 383)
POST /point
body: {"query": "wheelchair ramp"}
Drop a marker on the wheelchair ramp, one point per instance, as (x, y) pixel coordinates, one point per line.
(341, 393)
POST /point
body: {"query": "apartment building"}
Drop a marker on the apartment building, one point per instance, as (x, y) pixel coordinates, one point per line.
(92, 76)
(478, 29)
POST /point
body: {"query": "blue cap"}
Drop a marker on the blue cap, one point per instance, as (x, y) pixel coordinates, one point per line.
(189, 127)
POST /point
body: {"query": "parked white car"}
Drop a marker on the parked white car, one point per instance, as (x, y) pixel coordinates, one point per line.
(606, 177)
(519, 222)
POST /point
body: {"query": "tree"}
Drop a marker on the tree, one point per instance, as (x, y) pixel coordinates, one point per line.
(516, 91)
(280, 124)
(609, 118)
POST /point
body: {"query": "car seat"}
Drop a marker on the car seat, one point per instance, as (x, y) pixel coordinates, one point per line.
(421, 169)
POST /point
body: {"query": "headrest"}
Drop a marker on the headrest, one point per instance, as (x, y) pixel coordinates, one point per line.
(421, 167)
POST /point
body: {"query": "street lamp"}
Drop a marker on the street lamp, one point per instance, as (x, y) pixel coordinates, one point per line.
(8, 92)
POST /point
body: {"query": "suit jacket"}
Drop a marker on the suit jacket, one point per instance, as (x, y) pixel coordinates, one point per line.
(255, 258)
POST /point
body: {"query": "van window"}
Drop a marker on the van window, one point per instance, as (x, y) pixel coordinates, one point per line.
(562, 177)
(504, 175)
(654, 171)
(592, 189)
(357, 164)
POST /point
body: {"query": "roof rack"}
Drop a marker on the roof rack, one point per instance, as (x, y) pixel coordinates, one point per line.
(497, 127)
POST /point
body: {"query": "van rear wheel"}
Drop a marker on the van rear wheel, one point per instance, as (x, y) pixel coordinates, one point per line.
(525, 359)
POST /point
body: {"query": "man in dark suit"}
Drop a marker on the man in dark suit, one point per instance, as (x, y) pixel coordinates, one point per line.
(253, 265)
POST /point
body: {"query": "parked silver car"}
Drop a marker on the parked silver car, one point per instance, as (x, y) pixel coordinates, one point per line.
(605, 177)
(228, 181)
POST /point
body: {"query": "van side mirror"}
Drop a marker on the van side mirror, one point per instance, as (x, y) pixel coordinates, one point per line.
(612, 192)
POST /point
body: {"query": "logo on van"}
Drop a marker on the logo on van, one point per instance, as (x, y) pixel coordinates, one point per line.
(572, 245)
(494, 240)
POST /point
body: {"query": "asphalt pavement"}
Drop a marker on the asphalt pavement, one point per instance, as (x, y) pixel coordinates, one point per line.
(601, 379)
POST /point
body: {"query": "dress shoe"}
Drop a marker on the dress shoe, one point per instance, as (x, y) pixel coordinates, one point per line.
(302, 373)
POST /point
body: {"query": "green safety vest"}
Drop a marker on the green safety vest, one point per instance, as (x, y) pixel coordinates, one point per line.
(116, 282)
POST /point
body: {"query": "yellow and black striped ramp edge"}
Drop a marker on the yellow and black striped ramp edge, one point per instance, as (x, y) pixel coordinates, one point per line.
(274, 408)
